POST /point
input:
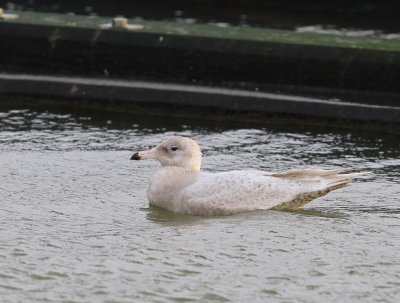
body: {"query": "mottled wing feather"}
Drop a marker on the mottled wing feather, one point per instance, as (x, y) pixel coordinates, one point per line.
(237, 191)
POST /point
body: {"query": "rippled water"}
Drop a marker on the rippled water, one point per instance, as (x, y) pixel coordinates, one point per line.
(75, 225)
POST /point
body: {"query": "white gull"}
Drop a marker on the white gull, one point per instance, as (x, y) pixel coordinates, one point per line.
(179, 186)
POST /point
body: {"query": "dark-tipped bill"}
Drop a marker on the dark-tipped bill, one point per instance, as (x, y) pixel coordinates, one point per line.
(135, 156)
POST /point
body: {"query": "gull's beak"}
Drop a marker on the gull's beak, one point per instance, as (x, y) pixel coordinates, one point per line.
(143, 155)
(135, 156)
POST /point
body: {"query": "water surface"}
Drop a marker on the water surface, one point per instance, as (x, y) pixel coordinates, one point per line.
(75, 225)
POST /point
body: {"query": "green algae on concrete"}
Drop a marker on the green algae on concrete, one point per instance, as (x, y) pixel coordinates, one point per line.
(211, 31)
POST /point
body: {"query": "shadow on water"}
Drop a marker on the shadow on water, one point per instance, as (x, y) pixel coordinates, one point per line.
(317, 213)
(370, 210)
(165, 217)
(120, 120)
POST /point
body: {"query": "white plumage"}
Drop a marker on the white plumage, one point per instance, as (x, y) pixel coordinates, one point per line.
(179, 186)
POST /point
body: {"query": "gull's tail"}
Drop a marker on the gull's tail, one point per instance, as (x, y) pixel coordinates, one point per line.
(311, 178)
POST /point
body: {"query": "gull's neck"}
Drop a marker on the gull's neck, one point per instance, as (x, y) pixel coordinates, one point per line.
(179, 169)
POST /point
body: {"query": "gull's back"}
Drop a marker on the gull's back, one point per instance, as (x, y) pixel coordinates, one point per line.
(234, 192)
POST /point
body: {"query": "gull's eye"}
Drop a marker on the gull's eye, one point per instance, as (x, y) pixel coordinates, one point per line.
(174, 148)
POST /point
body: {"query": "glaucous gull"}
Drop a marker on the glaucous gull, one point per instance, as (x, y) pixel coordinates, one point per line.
(179, 186)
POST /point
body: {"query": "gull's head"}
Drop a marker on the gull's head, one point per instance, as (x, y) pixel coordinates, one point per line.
(176, 151)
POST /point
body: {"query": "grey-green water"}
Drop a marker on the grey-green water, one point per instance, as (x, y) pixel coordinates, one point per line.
(75, 225)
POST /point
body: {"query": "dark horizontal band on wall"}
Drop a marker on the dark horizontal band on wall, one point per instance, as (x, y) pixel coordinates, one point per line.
(153, 93)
